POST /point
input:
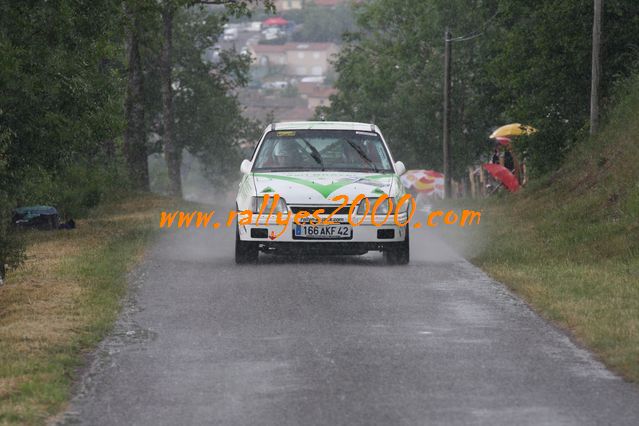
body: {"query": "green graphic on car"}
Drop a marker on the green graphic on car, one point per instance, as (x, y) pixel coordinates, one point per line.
(327, 189)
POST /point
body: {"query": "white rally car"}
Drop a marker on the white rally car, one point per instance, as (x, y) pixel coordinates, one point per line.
(321, 168)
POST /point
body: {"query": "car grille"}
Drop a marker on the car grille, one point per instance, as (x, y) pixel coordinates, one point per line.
(327, 209)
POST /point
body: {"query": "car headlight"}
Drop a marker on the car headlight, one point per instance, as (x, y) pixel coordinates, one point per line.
(280, 207)
(405, 205)
(382, 208)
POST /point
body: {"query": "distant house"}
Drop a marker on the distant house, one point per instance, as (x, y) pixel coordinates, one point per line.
(271, 56)
(289, 4)
(315, 94)
(309, 58)
(281, 5)
(263, 106)
(296, 59)
(328, 3)
(294, 114)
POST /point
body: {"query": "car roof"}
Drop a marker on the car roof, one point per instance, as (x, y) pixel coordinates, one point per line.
(323, 125)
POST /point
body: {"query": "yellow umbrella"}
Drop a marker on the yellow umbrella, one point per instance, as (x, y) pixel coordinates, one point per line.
(514, 129)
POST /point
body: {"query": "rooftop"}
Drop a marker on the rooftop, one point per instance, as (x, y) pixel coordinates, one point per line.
(324, 125)
(315, 90)
(280, 48)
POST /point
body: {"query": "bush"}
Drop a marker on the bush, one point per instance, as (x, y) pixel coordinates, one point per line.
(74, 191)
(11, 243)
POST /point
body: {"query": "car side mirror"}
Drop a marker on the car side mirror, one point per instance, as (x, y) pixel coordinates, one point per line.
(246, 166)
(400, 168)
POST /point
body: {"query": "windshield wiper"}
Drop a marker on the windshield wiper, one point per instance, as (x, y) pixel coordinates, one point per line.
(314, 154)
(362, 154)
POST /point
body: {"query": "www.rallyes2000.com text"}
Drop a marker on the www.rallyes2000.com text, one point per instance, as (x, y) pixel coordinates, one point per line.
(402, 213)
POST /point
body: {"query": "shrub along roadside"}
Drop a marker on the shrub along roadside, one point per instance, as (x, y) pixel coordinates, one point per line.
(64, 300)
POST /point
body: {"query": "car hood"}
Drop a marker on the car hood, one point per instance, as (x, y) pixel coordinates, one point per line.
(320, 187)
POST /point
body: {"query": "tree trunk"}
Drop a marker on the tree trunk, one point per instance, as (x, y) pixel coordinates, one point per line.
(108, 146)
(135, 150)
(172, 152)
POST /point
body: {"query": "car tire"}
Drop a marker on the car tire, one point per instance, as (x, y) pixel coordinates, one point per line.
(398, 253)
(245, 251)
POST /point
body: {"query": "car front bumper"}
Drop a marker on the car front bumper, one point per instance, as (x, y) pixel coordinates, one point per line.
(272, 233)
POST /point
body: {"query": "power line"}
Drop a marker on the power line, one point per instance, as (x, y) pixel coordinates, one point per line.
(477, 33)
(466, 38)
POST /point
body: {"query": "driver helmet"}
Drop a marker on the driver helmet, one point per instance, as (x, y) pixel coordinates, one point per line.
(285, 153)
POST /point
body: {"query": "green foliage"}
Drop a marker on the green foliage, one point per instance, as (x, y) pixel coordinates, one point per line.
(390, 72)
(321, 24)
(11, 244)
(238, 8)
(61, 89)
(63, 78)
(541, 69)
(60, 78)
(208, 121)
(83, 188)
(523, 62)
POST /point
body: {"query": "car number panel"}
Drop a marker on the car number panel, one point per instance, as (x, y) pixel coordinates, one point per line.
(322, 232)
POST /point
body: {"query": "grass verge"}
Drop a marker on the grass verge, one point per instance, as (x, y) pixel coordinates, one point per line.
(63, 301)
(569, 244)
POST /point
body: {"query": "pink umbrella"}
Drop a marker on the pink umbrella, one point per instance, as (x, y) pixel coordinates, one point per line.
(503, 175)
(275, 21)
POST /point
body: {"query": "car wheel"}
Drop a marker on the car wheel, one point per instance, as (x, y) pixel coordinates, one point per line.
(245, 251)
(398, 253)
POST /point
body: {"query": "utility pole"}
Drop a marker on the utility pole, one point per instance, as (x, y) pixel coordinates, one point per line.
(596, 67)
(446, 137)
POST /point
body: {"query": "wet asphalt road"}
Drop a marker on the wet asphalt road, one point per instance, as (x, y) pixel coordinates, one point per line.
(344, 342)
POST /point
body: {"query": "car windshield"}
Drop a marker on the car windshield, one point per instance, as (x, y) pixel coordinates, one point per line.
(330, 150)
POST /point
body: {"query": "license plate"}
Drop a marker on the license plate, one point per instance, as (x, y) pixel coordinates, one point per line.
(322, 232)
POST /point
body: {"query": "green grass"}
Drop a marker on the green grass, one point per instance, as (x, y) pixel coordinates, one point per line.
(569, 243)
(64, 300)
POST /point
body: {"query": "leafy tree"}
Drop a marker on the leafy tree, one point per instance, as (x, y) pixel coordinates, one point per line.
(390, 72)
(541, 69)
(76, 75)
(520, 61)
(186, 102)
(172, 151)
(208, 115)
(61, 102)
(11, 247)
(61, 87)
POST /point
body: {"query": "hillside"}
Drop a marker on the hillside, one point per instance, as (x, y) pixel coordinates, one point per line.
(569, 243)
